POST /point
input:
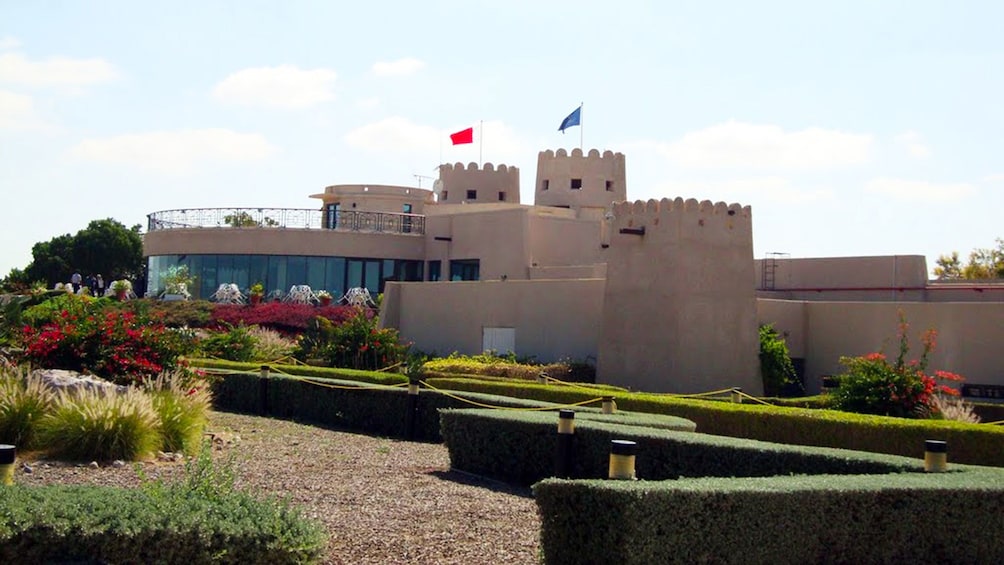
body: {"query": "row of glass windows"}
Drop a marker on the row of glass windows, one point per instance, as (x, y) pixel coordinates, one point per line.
(281, 272)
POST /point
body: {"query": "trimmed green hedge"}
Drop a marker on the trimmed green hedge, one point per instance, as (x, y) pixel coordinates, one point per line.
(520, 447)
(374, 377)
(968, 443)
(62, 524)
(949, 517)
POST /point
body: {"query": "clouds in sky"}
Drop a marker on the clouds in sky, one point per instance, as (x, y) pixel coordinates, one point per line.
(767, 146)
(284, 87)
(920, 190)
(400, 67)
(175, 151)
(914, 144)
(60, 72)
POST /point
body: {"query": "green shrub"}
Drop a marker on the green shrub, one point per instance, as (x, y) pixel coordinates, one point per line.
(776, 368)
(270, 345)
(95, 425)
(182, 410)
(356, 343)
(24, 401)
(490, 364)
(233, 344)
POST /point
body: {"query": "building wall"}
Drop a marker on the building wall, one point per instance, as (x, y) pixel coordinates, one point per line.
(593, 169)
(679, 312)
(969, 334)
(376, 198)
(280, 241)
(554, 319)
(563, 241)
(488, 181)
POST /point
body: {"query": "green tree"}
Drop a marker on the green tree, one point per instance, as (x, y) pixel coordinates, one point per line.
(244, 220)
(983, 263)
(104, 246)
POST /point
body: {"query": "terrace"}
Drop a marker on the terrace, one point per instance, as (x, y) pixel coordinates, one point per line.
(286, 218)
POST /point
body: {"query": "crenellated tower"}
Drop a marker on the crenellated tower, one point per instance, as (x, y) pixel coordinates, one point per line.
(679, 307)
(587, 183)
(458, 184)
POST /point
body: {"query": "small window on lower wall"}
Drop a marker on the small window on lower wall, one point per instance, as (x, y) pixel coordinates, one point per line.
(472, 195)
(465, 270)
(498, 340)
(576, 184)
(434, 270)
(502, 196)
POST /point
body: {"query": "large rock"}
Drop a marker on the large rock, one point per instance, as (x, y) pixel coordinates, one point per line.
(62, 380)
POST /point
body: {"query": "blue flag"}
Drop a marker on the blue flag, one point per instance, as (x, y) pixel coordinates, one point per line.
(571, 120)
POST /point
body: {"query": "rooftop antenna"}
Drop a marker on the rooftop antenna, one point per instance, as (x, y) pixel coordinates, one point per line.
(420, 177)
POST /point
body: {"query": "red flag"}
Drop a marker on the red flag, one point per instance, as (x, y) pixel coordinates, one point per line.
(463, 136)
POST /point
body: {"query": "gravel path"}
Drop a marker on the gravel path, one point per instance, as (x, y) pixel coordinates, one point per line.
(381, 500)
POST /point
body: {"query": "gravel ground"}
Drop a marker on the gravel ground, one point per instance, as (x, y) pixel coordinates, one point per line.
(381, 500)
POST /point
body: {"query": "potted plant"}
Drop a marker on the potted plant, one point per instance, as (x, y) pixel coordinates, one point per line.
(121, 288)
(176, 282)
(256, 292)
(324, 297)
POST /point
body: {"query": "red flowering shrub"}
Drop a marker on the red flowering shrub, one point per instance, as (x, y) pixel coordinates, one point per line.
(282, 317)
(115, 345)
(873, 385)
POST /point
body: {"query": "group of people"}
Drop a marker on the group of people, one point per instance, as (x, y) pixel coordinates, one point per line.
(94, 283)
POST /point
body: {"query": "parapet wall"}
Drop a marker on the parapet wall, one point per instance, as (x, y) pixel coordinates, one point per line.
(679, 312)
(489, 183)
(600, 178)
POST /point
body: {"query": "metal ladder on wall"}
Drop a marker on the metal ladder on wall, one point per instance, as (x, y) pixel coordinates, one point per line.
(769, 271)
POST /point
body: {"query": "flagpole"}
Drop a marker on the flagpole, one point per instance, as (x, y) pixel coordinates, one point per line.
(580, 126)
(481, 145)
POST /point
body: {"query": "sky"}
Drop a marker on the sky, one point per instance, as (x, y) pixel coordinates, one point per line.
(851, 128)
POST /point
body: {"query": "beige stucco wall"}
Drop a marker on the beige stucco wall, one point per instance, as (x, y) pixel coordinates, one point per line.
(283, 241)
(456, 179)
(593, 169)
(561, 241)
(889, 271)
(553, 319)
(679, 313)
(376, 198)
(970, 335)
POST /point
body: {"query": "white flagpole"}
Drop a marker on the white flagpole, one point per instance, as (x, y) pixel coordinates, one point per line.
(580, 126)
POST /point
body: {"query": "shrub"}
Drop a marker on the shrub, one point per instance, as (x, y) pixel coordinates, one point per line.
(115, 345)
(24, 401)
(355, 343)
(94, 425)
(270, 345)
(776, 368)
(182, 409)
(282, 317)
(873, 385)
(233, 344)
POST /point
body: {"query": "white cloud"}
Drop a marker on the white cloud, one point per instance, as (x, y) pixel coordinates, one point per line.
(394, 134)
(7, 43)
(993, 178)
(743, 190)
(175, 151)
(17, 112)
(738, 144)
(913, 142)
(920, 190)
(54, 71)
(401, 67)
(285, 86)
(367, 103)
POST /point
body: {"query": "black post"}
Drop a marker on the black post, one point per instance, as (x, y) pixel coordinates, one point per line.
(564, 450)
(411, 409)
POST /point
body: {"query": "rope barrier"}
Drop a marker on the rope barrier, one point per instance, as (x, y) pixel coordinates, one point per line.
(334, 386)
(482, 405)
(578, 386)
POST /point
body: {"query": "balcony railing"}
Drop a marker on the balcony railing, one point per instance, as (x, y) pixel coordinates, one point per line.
(279, 218)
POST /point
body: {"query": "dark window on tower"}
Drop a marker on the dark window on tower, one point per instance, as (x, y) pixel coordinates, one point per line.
(576, 184)
(501, 196)
(472, 195)
(444, 196)
(610, 186)
(546, 185)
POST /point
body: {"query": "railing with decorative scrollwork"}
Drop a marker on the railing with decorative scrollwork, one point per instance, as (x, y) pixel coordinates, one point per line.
(277, 218)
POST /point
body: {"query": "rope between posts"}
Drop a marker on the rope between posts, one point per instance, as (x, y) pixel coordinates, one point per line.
(309, 380)
(548, 378)
(482, 405)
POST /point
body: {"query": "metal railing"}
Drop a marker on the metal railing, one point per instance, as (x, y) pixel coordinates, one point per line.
(279, 218)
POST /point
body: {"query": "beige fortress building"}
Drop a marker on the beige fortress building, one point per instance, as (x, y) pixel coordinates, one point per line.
(663, 296)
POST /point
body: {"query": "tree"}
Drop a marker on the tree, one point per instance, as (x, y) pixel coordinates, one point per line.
(983, 263)
(104, 246)
(244, 220)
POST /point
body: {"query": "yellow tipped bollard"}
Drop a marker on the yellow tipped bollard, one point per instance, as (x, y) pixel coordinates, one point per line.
(8, 454)
(608, 406)
(622, 457)
(564, 455)
(935, 456)
(737, 395)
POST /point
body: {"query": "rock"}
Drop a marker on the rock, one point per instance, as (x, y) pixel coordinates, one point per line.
(26, 468)
(118, 463)
(72, 381)
(94, 465)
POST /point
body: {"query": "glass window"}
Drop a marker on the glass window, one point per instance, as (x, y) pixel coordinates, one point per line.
(315, 273)
(296, 271)
(576, 184)
(354, 278)
(257, 271)
(334, 276)
(434, 270)
(465, 270)
(373, 281)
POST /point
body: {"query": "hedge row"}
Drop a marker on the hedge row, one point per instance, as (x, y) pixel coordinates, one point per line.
(520, 447)
(979, 444)
(901, 518)
(91, 524)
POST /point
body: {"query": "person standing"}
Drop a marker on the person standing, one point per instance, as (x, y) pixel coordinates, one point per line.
(75, 280)
(99, 286)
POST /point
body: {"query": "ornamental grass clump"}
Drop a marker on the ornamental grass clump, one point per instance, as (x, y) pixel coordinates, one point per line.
(182, 409)
(97, 425)
(874, 385)
(24, 401)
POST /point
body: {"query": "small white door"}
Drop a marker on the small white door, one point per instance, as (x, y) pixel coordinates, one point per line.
(499, 340)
